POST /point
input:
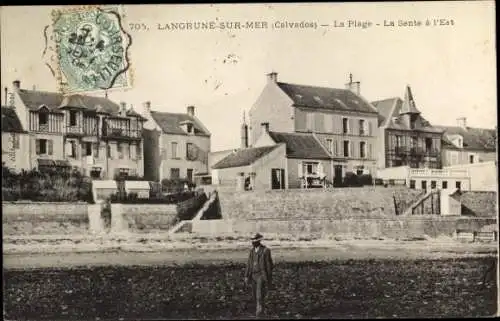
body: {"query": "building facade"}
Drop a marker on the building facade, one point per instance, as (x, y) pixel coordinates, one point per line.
(405, 138)
(342, 121)
(92, 134)
(177, 145)
(468, 145)
(15, 141)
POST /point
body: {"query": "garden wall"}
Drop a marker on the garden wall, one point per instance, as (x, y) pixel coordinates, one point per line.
(481, 204)
(404, 228)
(28, 218)
(142, 218)
(316, 203)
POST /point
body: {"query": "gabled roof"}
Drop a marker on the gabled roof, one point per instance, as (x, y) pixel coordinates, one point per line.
(170, 123)
(10, 121)
(55, 102)
(473, 138)
(390, 115)
(300, 145)
(244, 157)
(325, 98)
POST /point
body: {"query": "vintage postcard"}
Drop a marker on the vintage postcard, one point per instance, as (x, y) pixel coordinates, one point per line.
(236, 161)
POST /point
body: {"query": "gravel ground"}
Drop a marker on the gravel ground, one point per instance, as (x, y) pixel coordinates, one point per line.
(309, 289)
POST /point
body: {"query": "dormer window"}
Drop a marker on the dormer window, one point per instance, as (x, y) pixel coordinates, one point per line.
(317, 99)
(43, 117)
(72, 118)
(190, 128)
(187, 126)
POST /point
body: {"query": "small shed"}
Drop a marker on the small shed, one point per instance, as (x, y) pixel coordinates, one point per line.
(102, 189)
(141, 188)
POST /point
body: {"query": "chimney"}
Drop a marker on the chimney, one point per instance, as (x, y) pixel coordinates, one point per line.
(190, 111)
(353, 86)
(462, 122)
(265, 127)
(272, 77)
(123, 107)
(244, 133)
(147, 106)
(16, 84)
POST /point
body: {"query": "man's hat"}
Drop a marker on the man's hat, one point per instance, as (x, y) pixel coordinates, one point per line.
(257, 237)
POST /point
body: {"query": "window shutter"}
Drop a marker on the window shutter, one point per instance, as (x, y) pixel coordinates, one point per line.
(50, 146)
(369, 128)
(300, 170)
(350, 126)
(96, 149)
(335, 148)
(37, 142)
(370, 151)
(351, 149)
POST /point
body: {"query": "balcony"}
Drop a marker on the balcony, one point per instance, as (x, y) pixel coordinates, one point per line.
(121, 133)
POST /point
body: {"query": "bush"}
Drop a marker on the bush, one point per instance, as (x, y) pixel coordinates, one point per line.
(176, 185)
(132, 198)
(352, 180)
(365, 179)
(48, 185)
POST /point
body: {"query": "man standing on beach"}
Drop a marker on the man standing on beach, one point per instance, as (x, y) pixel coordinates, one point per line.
(259, 271)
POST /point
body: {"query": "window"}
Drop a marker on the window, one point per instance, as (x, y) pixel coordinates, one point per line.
(444, 185)
(329, 144)
(44, 147)
(428, 144)
(399, 141)
(110, 155)
(412, 184)
(88, 149)
(129, 151)
(190, 128)
(310, 168)
(43, 118)
(15, 141)
(345, 125)
(189, 174)
(424, 185)
(138, 151)
(362, 125)
(362, 149)
(189, 151)
(96, 149)
(309, 122)
(471, 159)
(72, 118)
(174, 150)
(119, 149)
(414, 142)
(346, 148)
(359, 170)
(458, 184)
(71, 148)
(174, 173)
(433, 184)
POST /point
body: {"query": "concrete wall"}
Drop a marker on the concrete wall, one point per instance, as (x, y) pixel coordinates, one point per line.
(16, 157)
(315, 203)
(23, 218)
(403, 228)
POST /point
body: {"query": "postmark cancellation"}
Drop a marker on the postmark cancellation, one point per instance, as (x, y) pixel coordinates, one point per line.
(90, 48)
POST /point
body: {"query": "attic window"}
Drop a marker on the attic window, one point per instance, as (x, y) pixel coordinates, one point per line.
(190, 128)
(395, 119)
(355, 102)
(299, 96)
(318, 99)
(340, 102)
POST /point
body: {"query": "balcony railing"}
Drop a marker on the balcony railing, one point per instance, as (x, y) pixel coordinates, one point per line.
(427, 172)
(121, 133)
(414, 151)
(74, 130)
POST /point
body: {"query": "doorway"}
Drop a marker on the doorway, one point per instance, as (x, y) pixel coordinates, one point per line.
(277, 178)
(337, 178)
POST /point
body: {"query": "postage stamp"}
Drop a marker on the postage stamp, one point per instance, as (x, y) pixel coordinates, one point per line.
(91, 49)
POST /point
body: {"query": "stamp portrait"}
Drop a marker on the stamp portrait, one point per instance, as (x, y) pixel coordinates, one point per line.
(91, 48)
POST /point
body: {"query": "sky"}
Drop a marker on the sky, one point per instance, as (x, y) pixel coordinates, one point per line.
(451, 69)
